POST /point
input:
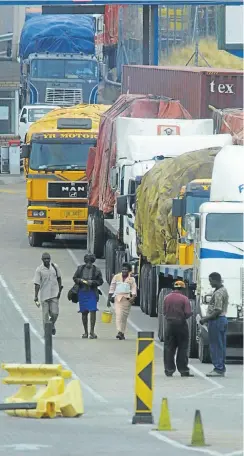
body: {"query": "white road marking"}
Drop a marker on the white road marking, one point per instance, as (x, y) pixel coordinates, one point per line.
(40, 338)
(181, 446)
(25, 447)
(137, 329)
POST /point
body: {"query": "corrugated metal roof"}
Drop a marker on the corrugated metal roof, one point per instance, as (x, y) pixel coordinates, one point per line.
(9, 71)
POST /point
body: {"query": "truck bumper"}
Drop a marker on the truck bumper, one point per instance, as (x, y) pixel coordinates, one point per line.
(57, 220)
(234, 339)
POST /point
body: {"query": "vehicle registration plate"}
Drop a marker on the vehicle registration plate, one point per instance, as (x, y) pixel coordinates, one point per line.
(72, 214)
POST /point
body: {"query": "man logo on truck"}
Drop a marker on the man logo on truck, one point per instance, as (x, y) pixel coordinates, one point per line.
(73, 189)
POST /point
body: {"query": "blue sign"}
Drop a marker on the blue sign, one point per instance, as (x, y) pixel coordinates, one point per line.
(121, 2)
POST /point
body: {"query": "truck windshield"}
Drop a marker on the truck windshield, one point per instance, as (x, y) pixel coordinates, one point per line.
(62, 155)
(193, 203)
(64, 69)
(35, 114)
(225, 227)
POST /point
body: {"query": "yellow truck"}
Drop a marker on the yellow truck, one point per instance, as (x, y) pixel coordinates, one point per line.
(55, 154)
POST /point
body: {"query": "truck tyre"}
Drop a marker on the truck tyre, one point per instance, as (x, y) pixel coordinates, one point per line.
(161, 318)
(143, 288)
(192, 324)
(203, 351)
(119, 260)
(35, 239)
(110, 251)
(152, 292)
(146, 287)
(96, 236)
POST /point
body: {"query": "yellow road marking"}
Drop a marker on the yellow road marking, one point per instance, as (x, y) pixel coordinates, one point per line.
(13, 192)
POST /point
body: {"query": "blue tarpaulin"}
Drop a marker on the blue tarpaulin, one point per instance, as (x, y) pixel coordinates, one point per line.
(55, 33)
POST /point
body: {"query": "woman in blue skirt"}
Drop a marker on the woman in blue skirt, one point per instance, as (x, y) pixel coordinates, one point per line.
(89, 278)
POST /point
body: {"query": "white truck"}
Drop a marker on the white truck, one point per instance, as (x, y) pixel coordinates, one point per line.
(219, 244)
(136, 155)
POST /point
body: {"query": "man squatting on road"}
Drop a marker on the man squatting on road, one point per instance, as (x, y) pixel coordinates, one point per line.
(48, 282)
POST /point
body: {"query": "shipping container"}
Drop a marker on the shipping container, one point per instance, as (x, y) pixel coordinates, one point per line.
(195, 87)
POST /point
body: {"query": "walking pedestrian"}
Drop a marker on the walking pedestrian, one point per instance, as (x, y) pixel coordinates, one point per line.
(48, 282)
(123, 292)
(177, 310)
(88, 277)
(217, 325)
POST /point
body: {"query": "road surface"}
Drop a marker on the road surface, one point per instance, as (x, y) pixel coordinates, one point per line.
(104, 366)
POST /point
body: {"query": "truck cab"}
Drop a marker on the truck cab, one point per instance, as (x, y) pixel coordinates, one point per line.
(189, 201)
(60, 79)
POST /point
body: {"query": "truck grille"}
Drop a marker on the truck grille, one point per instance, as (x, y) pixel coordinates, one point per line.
(64, 97)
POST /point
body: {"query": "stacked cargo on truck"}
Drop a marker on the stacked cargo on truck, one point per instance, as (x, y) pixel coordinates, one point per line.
(56, 158)
(58, 62)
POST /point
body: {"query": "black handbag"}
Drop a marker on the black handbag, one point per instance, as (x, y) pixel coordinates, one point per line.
(73, 293)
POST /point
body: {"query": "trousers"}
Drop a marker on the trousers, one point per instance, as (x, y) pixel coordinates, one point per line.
(176, 338)
(217, 330)
(50, 310)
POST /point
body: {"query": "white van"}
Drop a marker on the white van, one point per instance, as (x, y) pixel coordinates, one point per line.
(30, 114)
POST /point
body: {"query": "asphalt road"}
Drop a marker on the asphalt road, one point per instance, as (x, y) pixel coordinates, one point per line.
(104, 366)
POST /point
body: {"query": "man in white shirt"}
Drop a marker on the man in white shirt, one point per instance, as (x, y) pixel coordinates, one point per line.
(48, 282)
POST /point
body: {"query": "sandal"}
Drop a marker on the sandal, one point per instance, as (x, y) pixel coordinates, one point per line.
(93, 336)
(85, 336)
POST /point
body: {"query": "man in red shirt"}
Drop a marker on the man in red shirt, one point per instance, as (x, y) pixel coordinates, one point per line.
(176, 309)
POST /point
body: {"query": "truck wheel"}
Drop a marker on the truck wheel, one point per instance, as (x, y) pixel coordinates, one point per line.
(143, 288)
(146, 287)
(35, 239)
(192, 324)
(203, 352)
(161, 318)
(110, 251)
(152, 292)
(119, 260)
(96, 236)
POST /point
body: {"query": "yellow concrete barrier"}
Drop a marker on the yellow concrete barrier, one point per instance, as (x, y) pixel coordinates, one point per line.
(52, 398)
(33, 374)
(56, 399)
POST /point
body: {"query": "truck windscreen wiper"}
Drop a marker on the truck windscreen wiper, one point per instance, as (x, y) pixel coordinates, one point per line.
(233, 245)
(63, 167)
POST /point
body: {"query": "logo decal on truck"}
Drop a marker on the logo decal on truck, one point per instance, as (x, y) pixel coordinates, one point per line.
(221, 88)
(68, 190)
(241, 188)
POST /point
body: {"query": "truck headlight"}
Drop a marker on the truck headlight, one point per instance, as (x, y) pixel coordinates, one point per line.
(36, 213)
(240, 311)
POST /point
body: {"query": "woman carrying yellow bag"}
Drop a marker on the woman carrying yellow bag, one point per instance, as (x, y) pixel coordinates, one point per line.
(122, 292)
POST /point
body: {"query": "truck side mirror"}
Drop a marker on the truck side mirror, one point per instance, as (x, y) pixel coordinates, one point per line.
(122, 205)
(177, 207)
(23, 118)
(113, 179)
(25, 151)
(190, 227)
